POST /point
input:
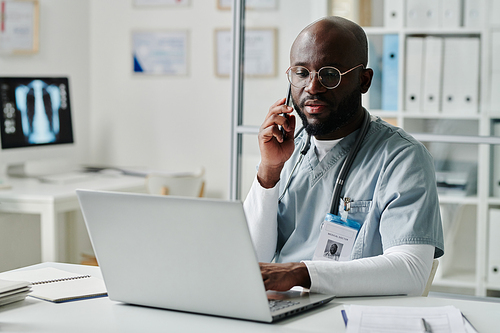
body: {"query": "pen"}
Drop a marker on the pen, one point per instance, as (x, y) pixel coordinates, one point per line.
(427, 327)
(344, 316)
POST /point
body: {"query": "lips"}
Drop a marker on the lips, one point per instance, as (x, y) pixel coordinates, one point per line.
(315, 106)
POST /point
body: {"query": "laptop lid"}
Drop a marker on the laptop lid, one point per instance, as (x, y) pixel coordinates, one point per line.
(177, 253)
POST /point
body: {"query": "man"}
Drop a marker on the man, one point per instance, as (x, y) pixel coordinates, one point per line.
(390, 189)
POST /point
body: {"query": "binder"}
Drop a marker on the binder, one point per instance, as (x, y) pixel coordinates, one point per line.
(422, 13)
(494, 248)
(450, 13)
(433, 59)
(374, 96)
(393, 13)
(494, 89)
(495, 165)
(474, 15)
(494, 13)
(390, 60)
(495, 72)
(460, 75)
(413, 73)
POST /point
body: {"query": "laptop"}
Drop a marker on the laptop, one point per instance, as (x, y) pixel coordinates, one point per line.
(184, 254)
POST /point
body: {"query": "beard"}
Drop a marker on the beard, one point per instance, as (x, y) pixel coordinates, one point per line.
(346, 110)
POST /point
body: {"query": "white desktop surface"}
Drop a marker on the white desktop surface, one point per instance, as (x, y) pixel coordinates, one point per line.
(31, 196)
(104, 315)
(33, 190)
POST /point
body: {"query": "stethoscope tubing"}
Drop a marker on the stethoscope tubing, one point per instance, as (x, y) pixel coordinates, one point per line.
(346, 166)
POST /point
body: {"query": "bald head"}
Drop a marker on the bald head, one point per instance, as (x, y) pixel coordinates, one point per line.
(335, 32)
(327, 112)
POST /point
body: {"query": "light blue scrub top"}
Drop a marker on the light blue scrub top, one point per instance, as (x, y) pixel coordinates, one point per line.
(392, 186)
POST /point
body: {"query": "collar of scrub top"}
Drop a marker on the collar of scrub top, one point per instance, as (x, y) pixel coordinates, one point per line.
(339, 183)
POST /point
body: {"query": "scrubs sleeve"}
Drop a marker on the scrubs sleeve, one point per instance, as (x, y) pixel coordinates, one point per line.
(407, 201)
(261, 210)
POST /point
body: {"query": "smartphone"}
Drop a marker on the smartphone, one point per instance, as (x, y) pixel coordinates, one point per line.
(287, 103)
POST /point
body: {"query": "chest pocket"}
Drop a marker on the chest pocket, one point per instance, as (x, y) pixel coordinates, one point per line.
(357, 210)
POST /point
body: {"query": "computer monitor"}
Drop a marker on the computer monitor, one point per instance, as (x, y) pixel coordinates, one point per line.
(35, 121)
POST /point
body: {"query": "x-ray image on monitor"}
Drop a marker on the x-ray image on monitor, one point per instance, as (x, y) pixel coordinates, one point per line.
(35, 111)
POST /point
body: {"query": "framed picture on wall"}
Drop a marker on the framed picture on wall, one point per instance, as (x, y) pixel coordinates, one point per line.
(249, 4)
(19, 21)
(260, 52)
(149, 3)
(160, 52)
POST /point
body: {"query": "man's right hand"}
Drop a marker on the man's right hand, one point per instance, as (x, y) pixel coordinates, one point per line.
(275, 149)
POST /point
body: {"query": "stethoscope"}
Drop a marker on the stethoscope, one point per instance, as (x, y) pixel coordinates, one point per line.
(339, 183)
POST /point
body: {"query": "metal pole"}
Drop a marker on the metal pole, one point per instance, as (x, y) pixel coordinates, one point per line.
(237, 76)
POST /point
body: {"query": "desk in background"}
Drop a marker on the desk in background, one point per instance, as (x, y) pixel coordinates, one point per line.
(30, 196)
(104, 315)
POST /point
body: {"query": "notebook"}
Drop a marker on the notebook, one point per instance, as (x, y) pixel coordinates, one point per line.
(55, 285)
(185, 254)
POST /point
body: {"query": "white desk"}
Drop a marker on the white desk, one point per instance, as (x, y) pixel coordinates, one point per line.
(103, 315)
(30, 196)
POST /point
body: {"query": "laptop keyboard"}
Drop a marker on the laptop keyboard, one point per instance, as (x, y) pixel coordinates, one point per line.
(275, 304)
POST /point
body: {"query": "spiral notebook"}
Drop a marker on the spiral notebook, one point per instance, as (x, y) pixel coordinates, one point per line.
(55, 285)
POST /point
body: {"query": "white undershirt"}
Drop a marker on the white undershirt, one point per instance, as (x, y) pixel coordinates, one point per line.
(402, 269)
(322, 147)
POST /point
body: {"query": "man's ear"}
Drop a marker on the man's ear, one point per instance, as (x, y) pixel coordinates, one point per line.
(366, 79)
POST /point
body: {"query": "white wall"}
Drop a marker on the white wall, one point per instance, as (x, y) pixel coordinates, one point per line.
(180, 123)
(64, 51)
(159, 122)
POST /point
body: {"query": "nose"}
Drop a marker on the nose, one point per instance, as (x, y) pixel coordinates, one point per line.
(314, 86)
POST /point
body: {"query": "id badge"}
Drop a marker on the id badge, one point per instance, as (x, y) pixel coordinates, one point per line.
(336, 239)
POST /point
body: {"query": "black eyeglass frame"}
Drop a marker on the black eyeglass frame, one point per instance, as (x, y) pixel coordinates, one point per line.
(312, 74)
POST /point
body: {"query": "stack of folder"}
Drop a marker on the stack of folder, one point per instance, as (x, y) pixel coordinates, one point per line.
(390, 60)
(495, 181)
(435, 13)
(495, 71)
(13, 291)
(442, 74)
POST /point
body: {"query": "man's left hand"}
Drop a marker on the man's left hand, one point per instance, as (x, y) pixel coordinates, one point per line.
(282, 277)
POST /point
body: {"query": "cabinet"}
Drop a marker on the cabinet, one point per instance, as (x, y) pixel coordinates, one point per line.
(460, 137)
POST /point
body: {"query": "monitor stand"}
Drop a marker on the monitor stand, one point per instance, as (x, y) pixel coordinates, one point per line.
(16, 170)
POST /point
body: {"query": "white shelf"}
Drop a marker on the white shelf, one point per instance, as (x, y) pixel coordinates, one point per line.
(493, 114)
(421, 31)
(381, 31)
(493, 286)
(423, 115)
(384, 113)
(442, 31)
(448, 199)
(493, 201)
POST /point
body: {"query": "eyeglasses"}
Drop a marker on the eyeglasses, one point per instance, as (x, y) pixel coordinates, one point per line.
(328, 76)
